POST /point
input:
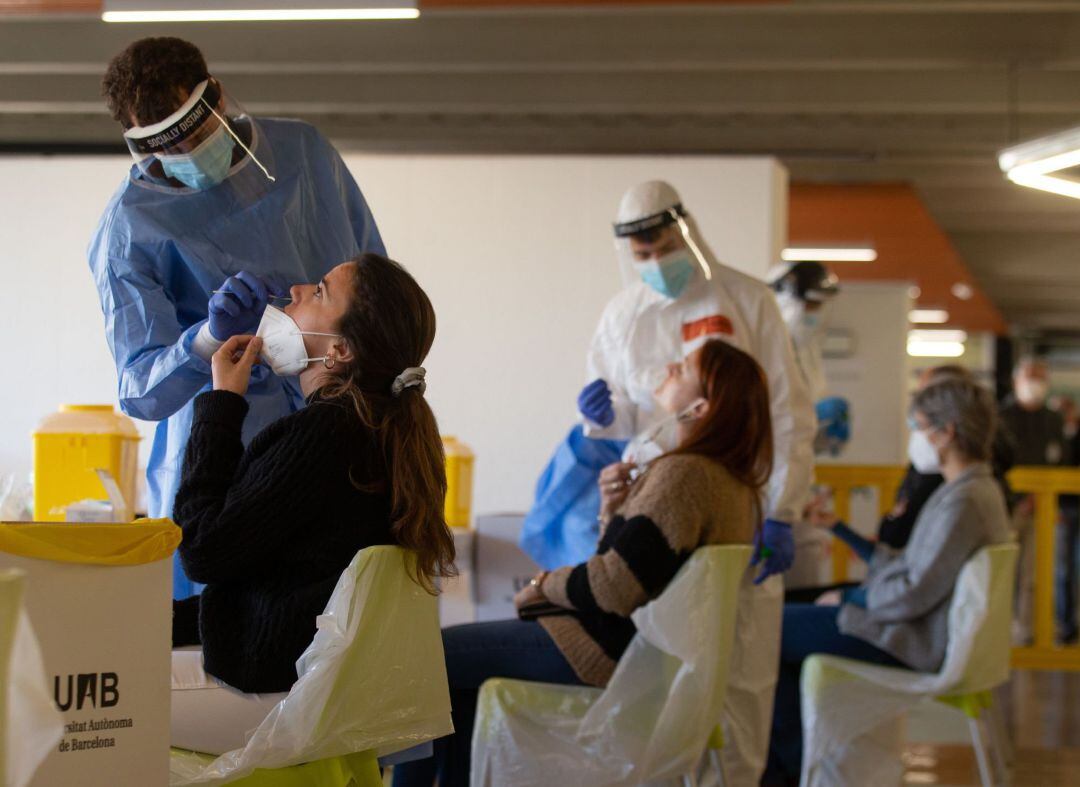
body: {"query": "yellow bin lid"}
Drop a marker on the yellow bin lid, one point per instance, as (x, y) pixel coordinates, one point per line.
(97, 419)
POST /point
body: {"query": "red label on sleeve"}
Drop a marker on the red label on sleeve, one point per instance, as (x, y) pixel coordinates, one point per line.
(707, 326)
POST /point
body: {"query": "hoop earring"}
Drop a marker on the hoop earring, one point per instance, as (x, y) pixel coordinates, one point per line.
(329, 362)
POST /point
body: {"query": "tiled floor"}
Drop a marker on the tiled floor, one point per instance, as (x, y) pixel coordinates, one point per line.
(1043, 713)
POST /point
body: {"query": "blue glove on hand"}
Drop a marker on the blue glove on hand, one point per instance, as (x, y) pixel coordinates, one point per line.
(594, 402)
(834, 415)
(774, 548)
(239, 306)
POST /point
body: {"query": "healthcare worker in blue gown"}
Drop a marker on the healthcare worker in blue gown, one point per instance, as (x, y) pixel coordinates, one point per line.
(215, 201)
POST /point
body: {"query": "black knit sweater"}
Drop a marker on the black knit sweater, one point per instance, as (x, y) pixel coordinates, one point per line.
(270, 529)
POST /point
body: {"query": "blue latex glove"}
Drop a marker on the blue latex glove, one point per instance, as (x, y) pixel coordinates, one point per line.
(239, 306)
(834, 415)
(594, 402)
(774, 549)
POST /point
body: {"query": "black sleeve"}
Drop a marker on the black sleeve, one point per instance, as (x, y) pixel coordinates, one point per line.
(235, 514)
(185, 622)
(895, 530)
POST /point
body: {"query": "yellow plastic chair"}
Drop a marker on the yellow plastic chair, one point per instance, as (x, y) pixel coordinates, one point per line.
(654, 719)
(851, 708)
(372, 683)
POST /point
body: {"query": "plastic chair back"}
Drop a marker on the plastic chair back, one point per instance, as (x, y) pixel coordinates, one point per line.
(373, 678)
(655, 717)
(984, 588)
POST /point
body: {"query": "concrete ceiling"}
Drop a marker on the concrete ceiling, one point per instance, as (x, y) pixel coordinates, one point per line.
(918, 92)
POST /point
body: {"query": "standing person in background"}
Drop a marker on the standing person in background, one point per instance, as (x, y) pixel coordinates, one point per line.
(804, 291)
(1068, 535)
(1038, 434)
(217, 207)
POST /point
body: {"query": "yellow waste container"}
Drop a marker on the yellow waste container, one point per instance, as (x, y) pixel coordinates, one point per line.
(69, 447)
(459, 471)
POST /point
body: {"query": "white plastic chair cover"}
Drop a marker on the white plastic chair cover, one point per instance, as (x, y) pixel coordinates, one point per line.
(374, 678)
(30, 724)
(851, 709)
(655, 716)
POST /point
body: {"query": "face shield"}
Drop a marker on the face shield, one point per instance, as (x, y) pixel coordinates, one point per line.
(651, 239)
(208, 141)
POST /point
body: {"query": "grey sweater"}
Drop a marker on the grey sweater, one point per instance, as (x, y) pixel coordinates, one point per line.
(908, 591)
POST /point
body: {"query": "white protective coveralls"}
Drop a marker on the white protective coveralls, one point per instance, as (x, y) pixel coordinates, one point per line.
(807, 340)
(640, 332)
(807, 335)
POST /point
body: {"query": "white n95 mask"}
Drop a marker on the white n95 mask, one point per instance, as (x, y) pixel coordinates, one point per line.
(661, 439)
(923, 454)
(283, 343)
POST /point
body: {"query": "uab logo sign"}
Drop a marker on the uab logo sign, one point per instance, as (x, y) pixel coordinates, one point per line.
(99, 690)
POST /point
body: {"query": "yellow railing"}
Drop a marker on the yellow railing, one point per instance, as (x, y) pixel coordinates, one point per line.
(1045, 484)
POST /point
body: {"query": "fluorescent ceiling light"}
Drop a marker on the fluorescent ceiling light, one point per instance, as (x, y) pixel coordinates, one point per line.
(937, 335)
(962, 291)
(935, 349)
(828, 254)
(928, 316)
(1035, 163)
(254, 10)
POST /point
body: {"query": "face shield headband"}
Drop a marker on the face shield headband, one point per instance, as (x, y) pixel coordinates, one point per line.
(676, 214)
(173, 135)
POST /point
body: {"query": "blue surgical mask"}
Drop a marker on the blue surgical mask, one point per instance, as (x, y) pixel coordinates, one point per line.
(669, 275)
(205, 166)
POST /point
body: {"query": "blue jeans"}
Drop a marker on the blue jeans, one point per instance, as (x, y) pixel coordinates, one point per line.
(475, 652)
(807, 629)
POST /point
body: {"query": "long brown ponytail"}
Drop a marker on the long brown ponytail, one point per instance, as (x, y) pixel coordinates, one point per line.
(390, 327)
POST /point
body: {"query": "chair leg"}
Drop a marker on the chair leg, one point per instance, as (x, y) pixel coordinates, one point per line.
(1000, 731)
(981, 755)
(718, 766)
(998, 745)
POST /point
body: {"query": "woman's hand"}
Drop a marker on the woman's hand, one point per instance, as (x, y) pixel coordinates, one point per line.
(231, 364)
(818, 514)
(830, 598)
(531, 593)
(614, 486)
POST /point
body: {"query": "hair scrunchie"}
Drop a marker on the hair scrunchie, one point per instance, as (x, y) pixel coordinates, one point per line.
(413, 377)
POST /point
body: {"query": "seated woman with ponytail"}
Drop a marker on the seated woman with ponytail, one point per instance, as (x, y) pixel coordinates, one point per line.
(270, 529)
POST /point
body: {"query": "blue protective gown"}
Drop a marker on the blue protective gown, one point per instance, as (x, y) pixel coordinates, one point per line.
(561, 528)
(158, 252)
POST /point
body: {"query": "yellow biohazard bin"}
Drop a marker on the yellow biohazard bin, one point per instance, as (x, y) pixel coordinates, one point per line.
(459, 473)
(70, 446)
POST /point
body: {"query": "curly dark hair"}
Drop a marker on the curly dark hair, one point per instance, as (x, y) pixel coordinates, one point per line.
(146, 80)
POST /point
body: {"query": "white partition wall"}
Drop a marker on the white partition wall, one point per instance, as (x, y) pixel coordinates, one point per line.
(515, 252)
(872, 319)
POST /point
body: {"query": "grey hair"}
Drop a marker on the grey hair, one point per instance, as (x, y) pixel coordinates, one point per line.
(967, 407)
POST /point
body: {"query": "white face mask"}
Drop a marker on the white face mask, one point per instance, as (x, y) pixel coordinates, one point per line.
(922, 453)
(1031, 392)
(661, 439)
(283, 343)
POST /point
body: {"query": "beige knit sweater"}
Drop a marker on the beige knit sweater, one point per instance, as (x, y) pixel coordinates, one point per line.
(680, 503)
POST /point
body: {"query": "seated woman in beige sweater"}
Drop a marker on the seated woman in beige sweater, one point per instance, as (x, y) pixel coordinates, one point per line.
(704, 488)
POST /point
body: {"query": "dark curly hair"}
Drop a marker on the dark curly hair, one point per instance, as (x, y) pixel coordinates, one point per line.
(146, 80)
